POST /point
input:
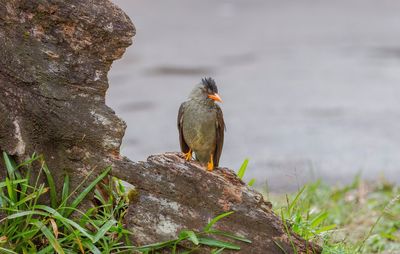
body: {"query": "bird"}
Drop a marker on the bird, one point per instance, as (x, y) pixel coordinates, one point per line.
(201, 125)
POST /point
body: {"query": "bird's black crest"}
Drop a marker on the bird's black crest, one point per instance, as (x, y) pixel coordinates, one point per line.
(209, 83)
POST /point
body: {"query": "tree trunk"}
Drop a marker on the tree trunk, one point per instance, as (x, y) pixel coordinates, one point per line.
(54, 60)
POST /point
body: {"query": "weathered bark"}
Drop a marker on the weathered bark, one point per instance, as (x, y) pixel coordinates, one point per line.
(54, 59)
(175, 195)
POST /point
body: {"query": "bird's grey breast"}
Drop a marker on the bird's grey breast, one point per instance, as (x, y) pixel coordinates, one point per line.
(199, 125)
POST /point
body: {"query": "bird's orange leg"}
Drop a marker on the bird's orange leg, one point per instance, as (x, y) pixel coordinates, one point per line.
(210, 164)
(188, 155)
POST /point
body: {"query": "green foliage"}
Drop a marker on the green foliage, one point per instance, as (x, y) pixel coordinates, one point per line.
(215, 220)
(358, 218)
(242, 171)
(302, 220)
(252, 182)
(30, 227)
(27, 226)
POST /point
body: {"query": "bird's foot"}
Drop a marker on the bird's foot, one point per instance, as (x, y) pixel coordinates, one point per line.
(188, 155)
(210, 164)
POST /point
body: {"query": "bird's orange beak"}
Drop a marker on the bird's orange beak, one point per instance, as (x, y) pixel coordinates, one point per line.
(215, 97)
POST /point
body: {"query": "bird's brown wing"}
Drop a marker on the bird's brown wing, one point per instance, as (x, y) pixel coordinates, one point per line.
(184, 146)
(220, 125)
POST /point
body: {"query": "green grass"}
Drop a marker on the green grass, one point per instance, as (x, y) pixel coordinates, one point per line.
(358, 218)
(242, 170)
(27, 225)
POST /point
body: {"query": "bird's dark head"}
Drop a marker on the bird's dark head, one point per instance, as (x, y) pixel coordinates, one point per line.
(206, 90)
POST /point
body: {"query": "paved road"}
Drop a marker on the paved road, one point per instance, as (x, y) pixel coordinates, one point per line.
(311, 88)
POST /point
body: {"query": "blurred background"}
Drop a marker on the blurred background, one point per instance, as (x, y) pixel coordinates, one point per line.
(311, 88)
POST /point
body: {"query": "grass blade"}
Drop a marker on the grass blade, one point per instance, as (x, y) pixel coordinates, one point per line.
(52, 186)
(216, 219)
(31, 196)
(64, 195)
(217, 251)
(86, 191)
(24, 187)
(280, 247)
(319, 219)
(242, 169)
(65, 190)
(251, 182)
(9, 166)
(229, 235)
(104, 229)
(91, 247)
(27, 234)
(55, 227)
(3, 184)
(7, 251)
(293, 203)
(64, 220)
(12, 194)
(155, 246)
(189, 234)
(29, 161)
(25, 213)
(49, 236)
(217, 243)
(325, 229)
(79, 242)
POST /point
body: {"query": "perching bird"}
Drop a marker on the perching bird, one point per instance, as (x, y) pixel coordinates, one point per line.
(201, 124)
